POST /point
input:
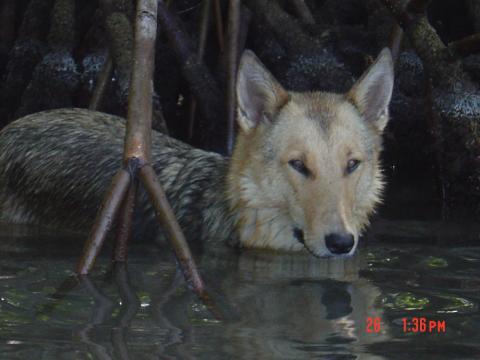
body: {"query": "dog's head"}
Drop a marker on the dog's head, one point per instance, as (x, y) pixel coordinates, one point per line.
(314, 157)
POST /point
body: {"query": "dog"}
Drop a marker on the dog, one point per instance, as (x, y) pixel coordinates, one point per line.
(304, 175)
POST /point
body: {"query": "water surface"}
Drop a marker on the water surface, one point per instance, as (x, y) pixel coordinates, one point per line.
(272, 306)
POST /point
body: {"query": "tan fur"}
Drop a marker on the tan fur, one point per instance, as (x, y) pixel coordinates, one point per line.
(286, 186)
(324, 130)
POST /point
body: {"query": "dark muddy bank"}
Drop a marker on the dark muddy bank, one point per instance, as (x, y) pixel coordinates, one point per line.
(52, 53)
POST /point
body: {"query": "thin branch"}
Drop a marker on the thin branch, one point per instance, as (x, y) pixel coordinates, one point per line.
(7, 26)
(203, 31)
(396, 40)
(158, 119)
(121, 47)
(219, 24)
(128, 310)
(125, 224)
(101, 311)
(427, 43)
(61, 292)
(120, 34)
(103, 306)
(103, 79)
(200, 81)
(27, 51)
(303, 11)
(283, 25)
(404, 18)
(202, 42)
(137, 155)
(167, 218)
(62, 33)
(130, 300)
(474, 11)
(232, 63)
(435, 132)
(418, 6)
(103, 222)
(245, 20)
(56, 76)
(137, 139)
(466, 46)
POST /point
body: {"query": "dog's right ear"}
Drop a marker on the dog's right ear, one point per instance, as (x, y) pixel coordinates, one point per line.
(259, 94)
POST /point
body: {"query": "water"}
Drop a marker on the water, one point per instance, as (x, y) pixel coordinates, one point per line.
(268, 306)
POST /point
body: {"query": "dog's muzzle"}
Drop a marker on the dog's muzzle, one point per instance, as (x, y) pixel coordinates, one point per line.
(337, 245)
(298, 234)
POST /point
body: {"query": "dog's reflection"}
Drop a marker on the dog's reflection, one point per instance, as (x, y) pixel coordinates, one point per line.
(291, 306)
(276, 306)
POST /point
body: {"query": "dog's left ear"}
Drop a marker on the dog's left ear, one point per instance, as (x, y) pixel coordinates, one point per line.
(371, 93)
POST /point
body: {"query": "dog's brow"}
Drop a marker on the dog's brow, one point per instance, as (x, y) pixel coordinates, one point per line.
(320, 108)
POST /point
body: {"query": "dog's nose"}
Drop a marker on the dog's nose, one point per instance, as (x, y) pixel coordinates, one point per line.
(339, 243)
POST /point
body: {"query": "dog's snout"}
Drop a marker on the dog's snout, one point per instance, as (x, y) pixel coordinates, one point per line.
(339, 243)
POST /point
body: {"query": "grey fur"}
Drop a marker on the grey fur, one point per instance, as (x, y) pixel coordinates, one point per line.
(56, 165)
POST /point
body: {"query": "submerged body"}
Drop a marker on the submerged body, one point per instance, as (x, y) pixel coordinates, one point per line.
(56, 165)
(304, 174)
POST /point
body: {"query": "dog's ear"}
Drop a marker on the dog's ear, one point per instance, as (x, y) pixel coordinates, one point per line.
(371, 93)
(259, 94)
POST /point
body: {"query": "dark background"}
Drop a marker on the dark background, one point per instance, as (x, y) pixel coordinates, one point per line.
(52, 51)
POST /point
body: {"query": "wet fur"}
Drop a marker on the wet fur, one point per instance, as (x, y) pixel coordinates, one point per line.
(56, 165)
(267, 207)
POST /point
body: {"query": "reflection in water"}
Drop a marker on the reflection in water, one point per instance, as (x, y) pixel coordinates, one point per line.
(292, 304)
(274, 305)
(102, 310)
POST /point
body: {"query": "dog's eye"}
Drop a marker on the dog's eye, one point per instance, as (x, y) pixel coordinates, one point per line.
(352, 165)
(299, 166)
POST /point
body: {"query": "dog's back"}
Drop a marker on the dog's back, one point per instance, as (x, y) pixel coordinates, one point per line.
(55, 166)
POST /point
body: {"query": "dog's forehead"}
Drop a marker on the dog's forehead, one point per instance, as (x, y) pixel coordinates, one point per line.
(319, 107)
(328, 113)
(325, 121)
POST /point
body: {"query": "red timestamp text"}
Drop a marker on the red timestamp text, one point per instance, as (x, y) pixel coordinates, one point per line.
(423, 325)
(373, 325)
